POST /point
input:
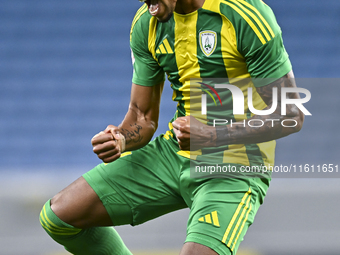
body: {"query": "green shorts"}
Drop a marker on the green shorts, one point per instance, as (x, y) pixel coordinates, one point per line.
(155, 180)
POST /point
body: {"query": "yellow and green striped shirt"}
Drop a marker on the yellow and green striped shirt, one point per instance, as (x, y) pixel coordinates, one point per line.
(227, 39)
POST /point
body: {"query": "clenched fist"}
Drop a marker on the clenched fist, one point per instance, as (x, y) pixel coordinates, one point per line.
(108, 144)
(192, 134)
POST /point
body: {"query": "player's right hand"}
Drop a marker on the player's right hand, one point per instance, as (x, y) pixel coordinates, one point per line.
(107, 145)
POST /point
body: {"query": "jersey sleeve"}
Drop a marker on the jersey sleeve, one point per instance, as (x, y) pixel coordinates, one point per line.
(260, 42)
(146, 70)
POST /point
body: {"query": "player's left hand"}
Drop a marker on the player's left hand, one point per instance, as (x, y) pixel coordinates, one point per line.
(192, 134)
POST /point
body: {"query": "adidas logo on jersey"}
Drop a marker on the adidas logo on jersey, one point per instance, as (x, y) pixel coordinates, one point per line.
(164, 48)
(210, 218)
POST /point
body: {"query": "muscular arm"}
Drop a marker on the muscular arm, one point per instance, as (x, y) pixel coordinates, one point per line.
(271, 130)
(141, 120)
(137, 128)
(192, 134)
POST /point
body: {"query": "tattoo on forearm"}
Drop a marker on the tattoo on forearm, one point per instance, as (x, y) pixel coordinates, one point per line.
(269, 130)
(133, 134)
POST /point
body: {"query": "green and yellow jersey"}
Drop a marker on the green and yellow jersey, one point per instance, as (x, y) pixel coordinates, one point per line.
(227, 39)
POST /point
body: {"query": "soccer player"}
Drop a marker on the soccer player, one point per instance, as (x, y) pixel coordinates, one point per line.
(139, 180)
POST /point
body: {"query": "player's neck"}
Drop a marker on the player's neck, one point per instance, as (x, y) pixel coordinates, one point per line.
(188, 6)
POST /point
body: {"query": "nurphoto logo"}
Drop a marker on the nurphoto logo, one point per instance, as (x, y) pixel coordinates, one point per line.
(238, 103)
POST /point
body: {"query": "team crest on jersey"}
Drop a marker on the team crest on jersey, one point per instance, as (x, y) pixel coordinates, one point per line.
(208, 40)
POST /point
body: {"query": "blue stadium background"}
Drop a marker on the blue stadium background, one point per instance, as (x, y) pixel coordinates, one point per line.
(65, 74)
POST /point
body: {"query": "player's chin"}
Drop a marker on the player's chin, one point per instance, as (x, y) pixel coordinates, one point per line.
(165, 18)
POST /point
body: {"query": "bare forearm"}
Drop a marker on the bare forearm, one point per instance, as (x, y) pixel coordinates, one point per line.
(140, 122)
(263, 128)
(138, 129)
(258, 129)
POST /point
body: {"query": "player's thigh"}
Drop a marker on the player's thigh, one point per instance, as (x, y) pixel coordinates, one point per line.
(190, 248)
(79, 206)
(140, 186)
(221, 212)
